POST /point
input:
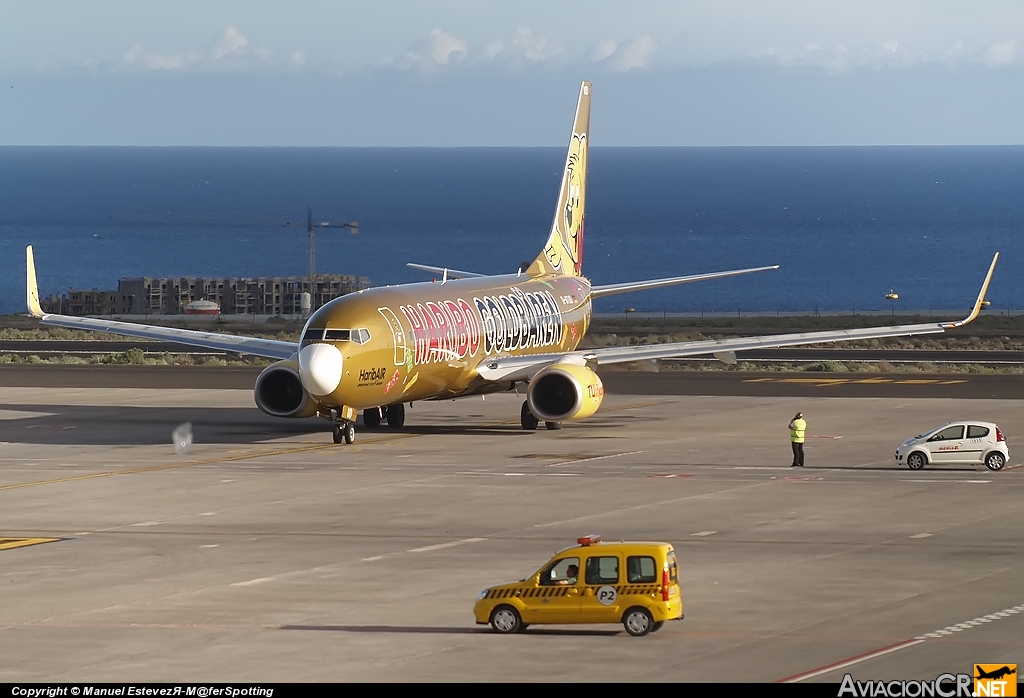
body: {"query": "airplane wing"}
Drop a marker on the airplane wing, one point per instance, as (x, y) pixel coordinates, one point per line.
(524, 367)
(450, 273)
(268, 348)
(612, 289)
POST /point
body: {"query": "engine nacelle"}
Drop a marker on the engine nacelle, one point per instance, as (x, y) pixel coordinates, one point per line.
(279, 391)
(564, 391)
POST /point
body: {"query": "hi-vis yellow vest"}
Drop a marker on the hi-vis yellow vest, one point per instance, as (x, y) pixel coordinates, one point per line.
(796, 431)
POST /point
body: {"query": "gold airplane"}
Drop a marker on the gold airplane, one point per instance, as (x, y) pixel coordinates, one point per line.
(470, 334)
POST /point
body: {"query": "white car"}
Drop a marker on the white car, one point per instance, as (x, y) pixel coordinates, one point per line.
(956, 442)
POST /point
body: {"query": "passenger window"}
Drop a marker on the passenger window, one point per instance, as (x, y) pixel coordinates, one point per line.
(561, 572)
(974, 432)
(949, 434)
(641, 570)
(603, 570)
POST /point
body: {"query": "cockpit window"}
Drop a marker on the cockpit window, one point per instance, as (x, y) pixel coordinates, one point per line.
(319, 334)
(313, 334)
(337, 335)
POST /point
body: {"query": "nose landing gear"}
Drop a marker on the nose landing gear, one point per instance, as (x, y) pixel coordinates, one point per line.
(344, 430)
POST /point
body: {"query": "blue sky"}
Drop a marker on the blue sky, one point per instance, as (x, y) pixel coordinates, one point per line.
(464, 72)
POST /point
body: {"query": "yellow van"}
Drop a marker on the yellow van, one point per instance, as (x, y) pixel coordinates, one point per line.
(636, 584)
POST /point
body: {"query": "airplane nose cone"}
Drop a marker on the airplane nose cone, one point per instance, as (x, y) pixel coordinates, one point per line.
(320, 368)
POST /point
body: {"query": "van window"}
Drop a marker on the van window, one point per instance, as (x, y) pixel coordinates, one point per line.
(641, 570)
(603, 570)
(673, 571)
(564, 571)
(974, 432)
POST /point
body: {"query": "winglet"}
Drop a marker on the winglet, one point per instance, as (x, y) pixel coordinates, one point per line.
(32, 290)
(978, 304)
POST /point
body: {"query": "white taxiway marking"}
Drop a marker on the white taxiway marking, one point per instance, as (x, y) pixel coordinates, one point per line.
(921, 535)
(704, 533)
(973, 623)
(439, 546)
(944, 632)
(258, 580)
(147, 523)
(970, 482)
(587, 460)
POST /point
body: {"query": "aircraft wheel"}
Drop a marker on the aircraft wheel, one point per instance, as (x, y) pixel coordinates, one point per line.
(552, 426)
(371, 418)
(396, 416)
(349, 432)
(337, 433)
(527, 419)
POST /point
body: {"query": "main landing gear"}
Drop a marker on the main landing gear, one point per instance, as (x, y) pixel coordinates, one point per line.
(394, 414)
(530, 422)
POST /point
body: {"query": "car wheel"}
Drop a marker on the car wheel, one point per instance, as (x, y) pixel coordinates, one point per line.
(638, 622)
(916, 460)
(506, 620)
(657, 626)
(995, 461)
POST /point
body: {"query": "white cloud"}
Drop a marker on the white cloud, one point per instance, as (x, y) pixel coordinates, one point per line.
(444, 47)
(1001, 53)
(298, 57)
(230, 41)
(138, 56)
(535, 48)
(493, 49)
(437, 49)
(602, 49)
(635, 53)
(888, 53)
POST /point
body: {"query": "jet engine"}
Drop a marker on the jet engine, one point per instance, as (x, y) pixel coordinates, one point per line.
(279, 391)
(564, 391)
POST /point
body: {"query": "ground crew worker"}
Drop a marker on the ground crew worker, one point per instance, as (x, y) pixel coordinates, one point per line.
(797, 429)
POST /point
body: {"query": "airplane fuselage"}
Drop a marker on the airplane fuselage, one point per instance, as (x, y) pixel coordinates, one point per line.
(425, 341)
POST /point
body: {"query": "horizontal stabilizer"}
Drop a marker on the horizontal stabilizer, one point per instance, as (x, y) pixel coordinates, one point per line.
(612, 289)
(450, 273)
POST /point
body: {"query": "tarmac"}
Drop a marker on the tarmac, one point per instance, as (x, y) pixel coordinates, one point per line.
(264, 552)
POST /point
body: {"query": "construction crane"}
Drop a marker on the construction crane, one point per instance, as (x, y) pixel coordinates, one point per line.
(311, 228)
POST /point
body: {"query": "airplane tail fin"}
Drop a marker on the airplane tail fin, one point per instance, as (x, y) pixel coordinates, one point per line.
(32, 289)
(563, 252)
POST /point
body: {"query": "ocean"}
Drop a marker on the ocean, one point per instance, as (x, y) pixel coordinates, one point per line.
(845, 224)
